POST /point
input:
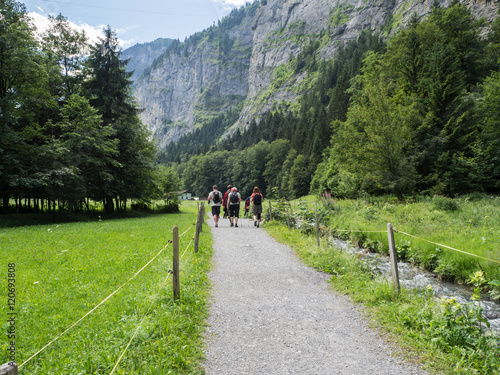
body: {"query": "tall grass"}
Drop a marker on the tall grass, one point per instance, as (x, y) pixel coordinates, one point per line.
(470, 223)
(64, 270)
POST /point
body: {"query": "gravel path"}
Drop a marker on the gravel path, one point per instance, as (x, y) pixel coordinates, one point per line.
(270, 314)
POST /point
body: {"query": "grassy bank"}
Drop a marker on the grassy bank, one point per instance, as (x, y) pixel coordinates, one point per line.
(470, 224)
(442, 335)
(64, 270)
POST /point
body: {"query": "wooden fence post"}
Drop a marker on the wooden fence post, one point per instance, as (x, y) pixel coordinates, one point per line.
(8, 369)
(287, 217)
(317, 229)
(202, 217)
(175, 241)
(198, 227)
(270, 212)
(394, 257)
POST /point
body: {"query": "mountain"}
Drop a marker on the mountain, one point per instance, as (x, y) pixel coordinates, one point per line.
(142, 55)
(245, 59)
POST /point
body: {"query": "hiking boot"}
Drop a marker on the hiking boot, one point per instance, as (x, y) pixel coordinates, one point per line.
(258, 224)
(236, 225)
(254, 223)
(216, 225)
(231, 224)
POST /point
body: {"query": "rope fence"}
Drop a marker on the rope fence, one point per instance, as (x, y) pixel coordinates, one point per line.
(197, 225)
(392, 248)
(419, 238)
(447, 247)
(396, 231)
(147, 312)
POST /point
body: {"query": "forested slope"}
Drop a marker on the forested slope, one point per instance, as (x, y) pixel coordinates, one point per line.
(410, 114)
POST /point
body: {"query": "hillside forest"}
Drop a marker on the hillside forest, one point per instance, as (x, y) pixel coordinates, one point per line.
(413, 114)
(71, 133)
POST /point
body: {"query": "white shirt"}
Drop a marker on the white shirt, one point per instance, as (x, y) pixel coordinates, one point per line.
(211, 198)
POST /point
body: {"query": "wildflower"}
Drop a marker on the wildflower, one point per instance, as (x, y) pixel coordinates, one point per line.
(450, 303)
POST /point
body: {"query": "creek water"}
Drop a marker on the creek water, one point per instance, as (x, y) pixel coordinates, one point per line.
(412, 277)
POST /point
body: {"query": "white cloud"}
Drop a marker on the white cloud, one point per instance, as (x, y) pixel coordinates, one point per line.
(233, 3)
(93, 33)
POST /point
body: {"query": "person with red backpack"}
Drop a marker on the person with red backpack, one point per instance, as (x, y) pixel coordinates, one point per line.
(233, 205)
(257, 200)
(224, 203)
(247, 207)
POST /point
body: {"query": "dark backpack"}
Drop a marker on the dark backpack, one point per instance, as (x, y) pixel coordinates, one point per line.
(233, 197)
(216, 198)
(257, 199)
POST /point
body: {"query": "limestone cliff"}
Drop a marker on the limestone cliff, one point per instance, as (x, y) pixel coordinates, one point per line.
(244, 58)
(141, 56)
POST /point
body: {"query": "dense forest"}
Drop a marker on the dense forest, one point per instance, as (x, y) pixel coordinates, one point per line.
(71, 132)
(413, 114)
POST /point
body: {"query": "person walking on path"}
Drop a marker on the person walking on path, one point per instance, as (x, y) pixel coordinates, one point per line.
(215, 197)
(226, 194)
(257, 200)
(247, 207)
(233, 205)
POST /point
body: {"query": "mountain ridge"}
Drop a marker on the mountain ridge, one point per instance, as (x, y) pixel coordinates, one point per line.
(246, 58)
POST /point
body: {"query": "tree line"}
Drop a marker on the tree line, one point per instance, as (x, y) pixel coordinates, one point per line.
(423, 113)
(415, 114)
(71, 132)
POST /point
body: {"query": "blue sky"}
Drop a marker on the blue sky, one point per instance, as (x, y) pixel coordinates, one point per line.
(135, 21)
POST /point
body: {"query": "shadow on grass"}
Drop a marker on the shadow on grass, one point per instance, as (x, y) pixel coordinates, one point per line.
(11, 220)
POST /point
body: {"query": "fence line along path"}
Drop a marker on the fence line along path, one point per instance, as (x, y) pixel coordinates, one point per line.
(270, 314)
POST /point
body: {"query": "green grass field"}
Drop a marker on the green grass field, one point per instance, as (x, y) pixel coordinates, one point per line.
(64, 270)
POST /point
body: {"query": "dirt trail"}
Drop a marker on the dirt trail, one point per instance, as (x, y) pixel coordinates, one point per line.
(270, 314)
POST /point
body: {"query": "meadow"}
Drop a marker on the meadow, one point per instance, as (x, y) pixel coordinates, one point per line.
(63, 270)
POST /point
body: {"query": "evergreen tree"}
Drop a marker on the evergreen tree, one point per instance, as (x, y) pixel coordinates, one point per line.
(90, 147)
(109, 92)
(438, 61)
(22, 82)
(109, 86)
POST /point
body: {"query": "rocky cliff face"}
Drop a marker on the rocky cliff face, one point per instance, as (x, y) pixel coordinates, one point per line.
(247, 62)
(142, 55)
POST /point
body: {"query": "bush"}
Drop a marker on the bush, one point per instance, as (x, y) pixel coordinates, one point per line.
(444, 204)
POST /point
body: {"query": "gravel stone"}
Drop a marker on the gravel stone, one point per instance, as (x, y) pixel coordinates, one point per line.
(270, 314)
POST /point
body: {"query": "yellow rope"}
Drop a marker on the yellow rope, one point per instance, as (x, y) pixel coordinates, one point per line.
(147, 312)
(448, 247)
(361, 231)
(139, 326)
(108, 297)
(423, 239)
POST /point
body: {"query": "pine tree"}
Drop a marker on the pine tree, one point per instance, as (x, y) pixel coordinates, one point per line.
(110, 93)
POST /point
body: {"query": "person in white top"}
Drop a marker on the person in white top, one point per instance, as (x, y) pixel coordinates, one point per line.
(233, 205)
(215, 197)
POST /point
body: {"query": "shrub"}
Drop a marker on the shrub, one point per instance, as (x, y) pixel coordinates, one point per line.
(444, 204)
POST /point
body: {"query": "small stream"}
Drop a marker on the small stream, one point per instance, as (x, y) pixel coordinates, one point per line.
(413, 277)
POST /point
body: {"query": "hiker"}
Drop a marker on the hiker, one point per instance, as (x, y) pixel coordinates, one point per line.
(233, 205)
(215, 197)
(247, 206)
(225, 201)
(257, 200)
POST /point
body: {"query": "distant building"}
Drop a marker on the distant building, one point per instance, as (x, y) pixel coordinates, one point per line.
(184, 195)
